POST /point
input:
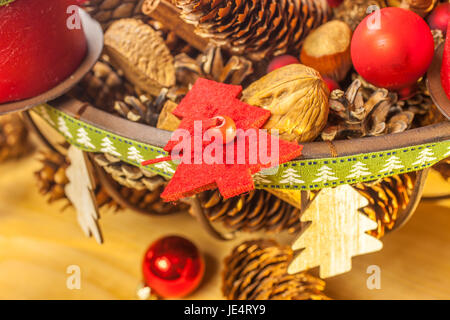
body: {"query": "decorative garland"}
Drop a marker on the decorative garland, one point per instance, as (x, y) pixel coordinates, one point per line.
(295, 175)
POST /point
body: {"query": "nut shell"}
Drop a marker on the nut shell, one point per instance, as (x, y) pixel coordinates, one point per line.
(138, 50)
(297, 97)
(327, 49)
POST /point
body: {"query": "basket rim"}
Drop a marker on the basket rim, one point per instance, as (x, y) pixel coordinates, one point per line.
(311, 150)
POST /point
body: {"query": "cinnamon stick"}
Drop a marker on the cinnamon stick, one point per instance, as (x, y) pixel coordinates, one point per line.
(169, 16)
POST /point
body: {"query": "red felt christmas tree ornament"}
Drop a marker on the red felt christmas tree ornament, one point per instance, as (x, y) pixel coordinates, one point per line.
(212, 106)
(173, 267)
(392, 48)
(40, 46)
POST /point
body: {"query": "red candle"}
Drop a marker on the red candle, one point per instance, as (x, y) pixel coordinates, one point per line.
(41, 44)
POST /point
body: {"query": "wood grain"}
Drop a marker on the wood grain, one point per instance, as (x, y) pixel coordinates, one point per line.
(336, 233)
(38, 243)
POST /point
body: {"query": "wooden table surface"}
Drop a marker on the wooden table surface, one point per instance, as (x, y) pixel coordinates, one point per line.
(38, 243)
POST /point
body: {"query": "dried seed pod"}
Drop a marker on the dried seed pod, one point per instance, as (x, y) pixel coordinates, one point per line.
(327, 49)
(297, 97)
(257, 270)
(138, 50)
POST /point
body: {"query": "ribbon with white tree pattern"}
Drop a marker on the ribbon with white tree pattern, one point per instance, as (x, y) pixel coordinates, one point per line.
(294, 175)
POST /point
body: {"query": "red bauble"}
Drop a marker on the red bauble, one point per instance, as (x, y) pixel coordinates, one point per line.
(173, 267)
(332, 84)
(438, 19)
(334, 3)
(38, 50)
(395, 55)
(281, 61)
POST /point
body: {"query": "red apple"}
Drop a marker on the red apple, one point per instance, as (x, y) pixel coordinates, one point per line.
(438, 19)
(37, 49)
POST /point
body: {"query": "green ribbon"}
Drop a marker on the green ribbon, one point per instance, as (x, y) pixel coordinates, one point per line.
(294, 175)
(5, 2)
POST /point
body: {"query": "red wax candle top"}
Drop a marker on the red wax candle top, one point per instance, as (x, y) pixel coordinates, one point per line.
(41, 44)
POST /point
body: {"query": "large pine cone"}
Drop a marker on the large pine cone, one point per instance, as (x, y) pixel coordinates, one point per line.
(386, 198)
(14, 142)
(51, 180)
(257, 270)
(256, 28)
(108, 11)
(255, 211)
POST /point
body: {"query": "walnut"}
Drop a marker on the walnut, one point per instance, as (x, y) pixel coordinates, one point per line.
(298, 99)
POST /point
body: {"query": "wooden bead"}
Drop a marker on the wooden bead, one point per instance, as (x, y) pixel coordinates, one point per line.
(226, 128)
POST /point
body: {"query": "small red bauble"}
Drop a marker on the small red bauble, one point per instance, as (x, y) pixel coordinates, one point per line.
(281, 61)
(332, 84)
(395, 53)
(38, 49)
(438, 19)
(334, 3)
(173, 267)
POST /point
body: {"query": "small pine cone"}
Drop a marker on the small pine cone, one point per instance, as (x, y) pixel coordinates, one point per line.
(257, 270)
(386, 198)
(257, 28)
(128, 175)
(354, 11)
(108, 11)
(213, 64)
(255, 211)
(102, 86)
(14, 142)
(52, 179)
(364, 110)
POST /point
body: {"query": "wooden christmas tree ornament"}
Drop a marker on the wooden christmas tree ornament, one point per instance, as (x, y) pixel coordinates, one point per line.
(336, 233)
(141, 53)
(80, 191)
(327, 49)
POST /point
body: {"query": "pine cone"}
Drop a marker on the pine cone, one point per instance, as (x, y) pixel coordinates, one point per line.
(108, 11)
(213, 64)
(255, 211)
(354, 11)
(256, 28)
(52, 179)
(386, 198)
(257, 270)
(14, 142)
(364, 110)
(102, 86)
